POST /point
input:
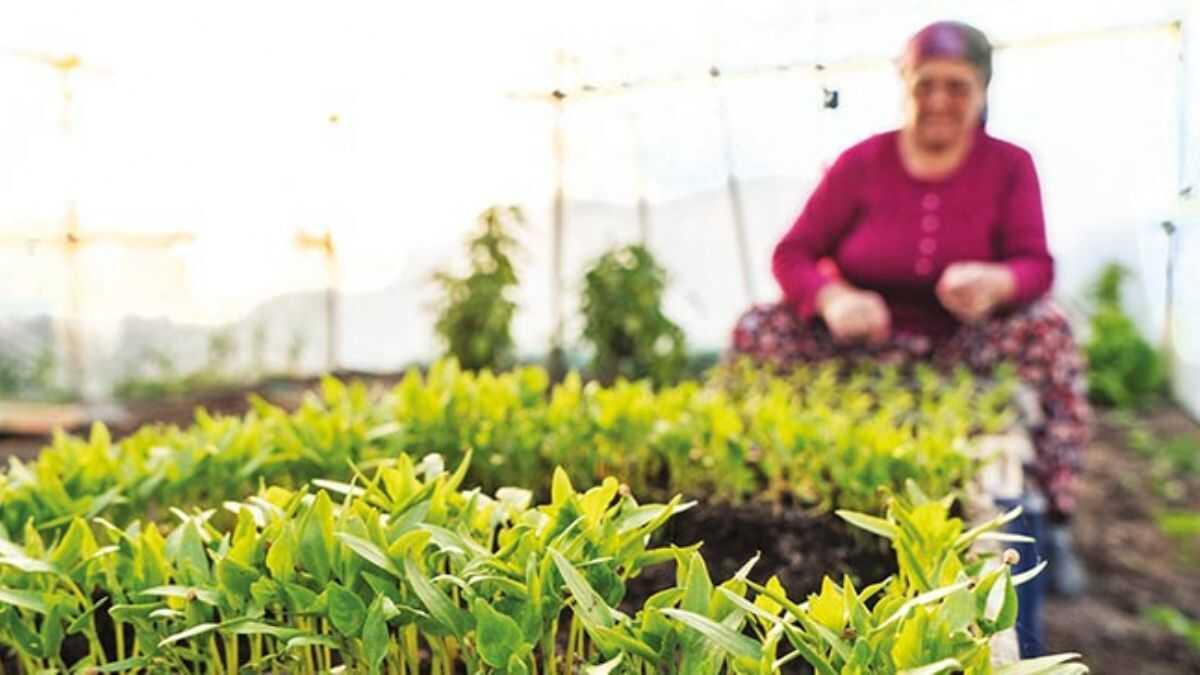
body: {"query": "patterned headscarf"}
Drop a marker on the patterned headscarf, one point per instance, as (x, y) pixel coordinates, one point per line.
(950, 40)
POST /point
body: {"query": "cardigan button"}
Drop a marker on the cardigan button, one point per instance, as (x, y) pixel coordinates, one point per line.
(930, 223)
(928, 246)
(931, 202)
(923, 267)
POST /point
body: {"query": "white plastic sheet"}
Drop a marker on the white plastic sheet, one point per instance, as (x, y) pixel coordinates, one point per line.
(216, 121)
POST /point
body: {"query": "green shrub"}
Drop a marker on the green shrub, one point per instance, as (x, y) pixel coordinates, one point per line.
(476, 311)
(624, 321)
(1124, 370)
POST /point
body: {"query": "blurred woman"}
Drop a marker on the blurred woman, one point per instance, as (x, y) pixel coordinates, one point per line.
(928, 243)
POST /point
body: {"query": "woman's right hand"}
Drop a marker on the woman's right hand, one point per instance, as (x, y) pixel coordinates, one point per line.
(854, 315)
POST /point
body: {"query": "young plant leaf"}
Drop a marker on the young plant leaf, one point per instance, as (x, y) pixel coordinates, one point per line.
(452, 617)
(497, 636)
(718, 635)
(194, 631)
(370, 552)
(933, 668)
(375, 635)
(605, 668)
(819, 663)
(923, 599)
(590, 607)
(1040, 666)
(871, 524)
(1028, 574)
(205, 595)
(347, 611)
(30, 600)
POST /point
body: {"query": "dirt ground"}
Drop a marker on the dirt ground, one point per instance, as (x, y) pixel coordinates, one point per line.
(1132, 565)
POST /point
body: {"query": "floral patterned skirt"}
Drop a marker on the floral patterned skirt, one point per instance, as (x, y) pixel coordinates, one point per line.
(1036, 339)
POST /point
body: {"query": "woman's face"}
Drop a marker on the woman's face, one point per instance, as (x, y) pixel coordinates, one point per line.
(943, 101)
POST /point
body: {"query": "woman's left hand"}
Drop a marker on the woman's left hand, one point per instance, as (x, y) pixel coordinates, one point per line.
(971, 291)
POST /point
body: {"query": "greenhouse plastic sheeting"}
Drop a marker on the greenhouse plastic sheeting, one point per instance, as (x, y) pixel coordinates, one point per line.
(393, 137)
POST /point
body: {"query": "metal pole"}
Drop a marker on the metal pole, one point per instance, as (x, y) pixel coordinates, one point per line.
(735, 191)
(332, 304)
(559, 216)
(556, 362)
(639, 181)
(1181, 32)
(333, 312)
(75, 349)
(73, 332)
(1185, 167)
(1169, 308)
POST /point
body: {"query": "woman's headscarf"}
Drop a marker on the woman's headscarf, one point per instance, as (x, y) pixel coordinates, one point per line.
(950, 40)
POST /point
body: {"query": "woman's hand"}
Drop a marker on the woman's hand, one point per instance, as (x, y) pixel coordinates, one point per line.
(971, 291)
(854, 315)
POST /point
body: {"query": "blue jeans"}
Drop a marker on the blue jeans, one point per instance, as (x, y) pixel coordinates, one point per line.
(1031, 596)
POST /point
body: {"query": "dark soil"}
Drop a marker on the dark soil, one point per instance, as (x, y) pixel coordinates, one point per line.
(1132, 565)
(799, 546)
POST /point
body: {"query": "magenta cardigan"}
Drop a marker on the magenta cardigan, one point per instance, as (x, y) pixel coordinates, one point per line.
(889, 232)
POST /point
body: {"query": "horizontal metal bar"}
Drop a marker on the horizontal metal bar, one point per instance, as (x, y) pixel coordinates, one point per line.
(589, 90)
(132, 239)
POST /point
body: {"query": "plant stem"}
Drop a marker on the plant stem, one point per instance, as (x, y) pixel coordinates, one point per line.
(395, 660)
(571, 644)
(414, 654)
(309, 661)
(441, 651)
(214, 656)
(548, 646)
(326, 658)
(93, 636)
(119, 629)
(402, 651)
